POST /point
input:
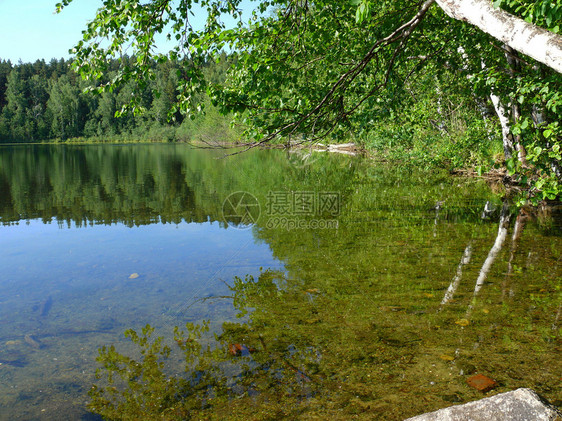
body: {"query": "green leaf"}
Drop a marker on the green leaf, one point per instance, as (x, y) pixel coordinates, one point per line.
(511, 165)
(362, 11)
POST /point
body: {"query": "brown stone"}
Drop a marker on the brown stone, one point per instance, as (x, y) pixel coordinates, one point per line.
(235, 349)
(481, 382)
(238, 349)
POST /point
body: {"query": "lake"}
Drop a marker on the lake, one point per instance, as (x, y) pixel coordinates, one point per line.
(332, 286)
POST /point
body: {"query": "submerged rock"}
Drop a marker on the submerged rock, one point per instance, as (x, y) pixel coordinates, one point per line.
(518, 405)
(33, 342)
(481, 382)
(45, 307)
(237, 350)
(14, 358)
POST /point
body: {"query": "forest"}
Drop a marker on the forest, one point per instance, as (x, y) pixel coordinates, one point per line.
(49, 102)
(43, 101)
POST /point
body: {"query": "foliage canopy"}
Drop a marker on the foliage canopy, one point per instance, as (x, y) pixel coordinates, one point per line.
(307, 70)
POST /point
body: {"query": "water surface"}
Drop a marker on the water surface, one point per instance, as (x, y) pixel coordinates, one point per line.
(362, 298)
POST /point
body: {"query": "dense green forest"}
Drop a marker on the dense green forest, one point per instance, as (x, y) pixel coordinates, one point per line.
(43, 101)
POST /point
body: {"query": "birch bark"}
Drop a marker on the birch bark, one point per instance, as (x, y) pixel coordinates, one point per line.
(531, 40)
(507, 137)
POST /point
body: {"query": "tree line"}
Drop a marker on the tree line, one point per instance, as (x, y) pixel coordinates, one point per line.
(49, 101)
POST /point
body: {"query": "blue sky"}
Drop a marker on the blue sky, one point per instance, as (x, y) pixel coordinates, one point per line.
(30, 29)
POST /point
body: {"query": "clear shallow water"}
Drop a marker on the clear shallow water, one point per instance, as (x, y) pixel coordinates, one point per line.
(374, 305)
(81, 268)
(85, 273)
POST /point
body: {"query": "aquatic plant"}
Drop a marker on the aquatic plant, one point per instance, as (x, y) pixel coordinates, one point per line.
(144, 387)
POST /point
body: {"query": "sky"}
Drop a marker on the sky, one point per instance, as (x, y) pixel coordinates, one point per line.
(30, 29)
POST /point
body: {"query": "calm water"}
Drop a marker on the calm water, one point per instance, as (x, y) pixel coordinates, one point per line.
(360, 298)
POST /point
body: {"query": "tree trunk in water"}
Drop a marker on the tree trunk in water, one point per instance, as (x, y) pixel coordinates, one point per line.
(531, 40)
(492, 254)
(517, 231)
(465, 260)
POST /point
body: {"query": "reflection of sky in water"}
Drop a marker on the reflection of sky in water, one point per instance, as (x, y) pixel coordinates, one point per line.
(87, 269)
(83, 277)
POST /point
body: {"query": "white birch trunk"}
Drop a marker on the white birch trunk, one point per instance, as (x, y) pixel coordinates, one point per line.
(531, 40)
(517, 231)
(441, 123)
(521, 152)
(492, 254)
(507, 137)
(465, 259)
